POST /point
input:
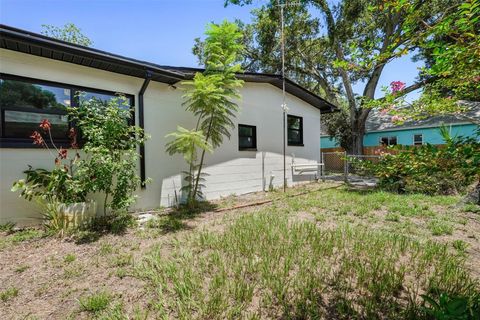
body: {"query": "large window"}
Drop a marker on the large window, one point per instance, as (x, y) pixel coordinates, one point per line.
(25, 102)
(295, 130)
(388, 141)
(247, 137)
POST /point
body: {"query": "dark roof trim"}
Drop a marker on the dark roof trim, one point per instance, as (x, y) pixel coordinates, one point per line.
(40, 45)
(276, 80)
(43, 46)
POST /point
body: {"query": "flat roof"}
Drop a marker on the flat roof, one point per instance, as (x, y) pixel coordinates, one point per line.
(36, 44)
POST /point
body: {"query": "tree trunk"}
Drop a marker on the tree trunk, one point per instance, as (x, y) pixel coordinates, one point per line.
(358, 131)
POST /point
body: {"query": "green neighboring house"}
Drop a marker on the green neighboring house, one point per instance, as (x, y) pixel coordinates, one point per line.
(380, 130)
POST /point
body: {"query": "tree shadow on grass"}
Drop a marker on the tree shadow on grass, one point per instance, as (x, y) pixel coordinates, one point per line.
(176, 219)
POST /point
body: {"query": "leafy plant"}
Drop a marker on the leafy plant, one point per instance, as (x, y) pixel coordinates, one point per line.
(450, 307)
(110, 143)
(62, 184)
(429, 169)
(187, 142)
(210, 97)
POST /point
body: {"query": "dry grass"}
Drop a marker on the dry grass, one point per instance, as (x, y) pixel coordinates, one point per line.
(330, 253)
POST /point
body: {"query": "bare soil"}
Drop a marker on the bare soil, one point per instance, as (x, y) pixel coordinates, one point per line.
(50, 284)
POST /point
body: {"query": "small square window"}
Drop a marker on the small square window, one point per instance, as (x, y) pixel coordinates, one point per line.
(417, 139)
(247, 137)
(295, 130)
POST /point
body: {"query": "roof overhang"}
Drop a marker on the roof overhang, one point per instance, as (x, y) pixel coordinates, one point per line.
(276, 80)
(43, 46)
(39, 45)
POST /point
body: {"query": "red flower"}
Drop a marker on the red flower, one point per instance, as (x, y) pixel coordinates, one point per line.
(397, 86)
(37, 138)
(45, 124)
(62, 153)
(72, 133)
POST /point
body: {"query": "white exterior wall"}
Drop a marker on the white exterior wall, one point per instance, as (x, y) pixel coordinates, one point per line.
(230, 171)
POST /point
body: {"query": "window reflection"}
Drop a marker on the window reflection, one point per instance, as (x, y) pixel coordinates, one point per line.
(34, 96)
(85, 95)
(19, 124)
(24, 103)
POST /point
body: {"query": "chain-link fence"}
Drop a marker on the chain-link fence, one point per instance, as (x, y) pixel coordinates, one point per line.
(340, 166)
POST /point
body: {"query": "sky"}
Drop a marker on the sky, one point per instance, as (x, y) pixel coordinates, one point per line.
(158, 31)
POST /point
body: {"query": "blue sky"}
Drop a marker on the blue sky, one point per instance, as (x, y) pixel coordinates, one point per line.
(159, 31)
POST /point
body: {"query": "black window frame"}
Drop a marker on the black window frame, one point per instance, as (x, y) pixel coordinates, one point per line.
(254, 137)
(414, 142)
(389, 140)
(26, 143)
(295, 144)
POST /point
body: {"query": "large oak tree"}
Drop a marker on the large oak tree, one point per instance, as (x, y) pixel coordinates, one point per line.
(330, 48)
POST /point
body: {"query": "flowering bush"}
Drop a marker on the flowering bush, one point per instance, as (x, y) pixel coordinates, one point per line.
(397, 86)
(108, 163)
(62, 184)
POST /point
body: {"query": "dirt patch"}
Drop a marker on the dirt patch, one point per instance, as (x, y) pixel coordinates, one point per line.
(52, 274)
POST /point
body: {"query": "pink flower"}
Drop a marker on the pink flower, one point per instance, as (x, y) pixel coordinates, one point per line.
(37, 138)
(396, 119)
(387, 109)
(45, 124)
(397, 86)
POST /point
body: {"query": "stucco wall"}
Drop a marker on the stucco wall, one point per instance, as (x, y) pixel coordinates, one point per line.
(230, 171)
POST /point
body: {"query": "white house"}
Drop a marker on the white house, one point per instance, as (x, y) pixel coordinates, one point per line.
(250, 161)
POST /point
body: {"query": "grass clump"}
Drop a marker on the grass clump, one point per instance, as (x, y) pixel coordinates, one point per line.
(96, 302)
(8, 294)
(69, 258)
(266, 265)
(440, 227)
(460, 245)
(7, 227)
(16, 237)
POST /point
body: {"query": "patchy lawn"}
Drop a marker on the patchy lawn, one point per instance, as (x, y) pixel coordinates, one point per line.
(321, 251)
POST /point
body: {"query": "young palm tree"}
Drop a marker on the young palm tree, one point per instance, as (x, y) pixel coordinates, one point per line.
(211, 97)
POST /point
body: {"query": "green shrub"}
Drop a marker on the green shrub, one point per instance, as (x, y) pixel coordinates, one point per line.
(447, 307)
(429, 169)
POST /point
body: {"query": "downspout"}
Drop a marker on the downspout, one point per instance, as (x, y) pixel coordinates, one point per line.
(141, 123)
